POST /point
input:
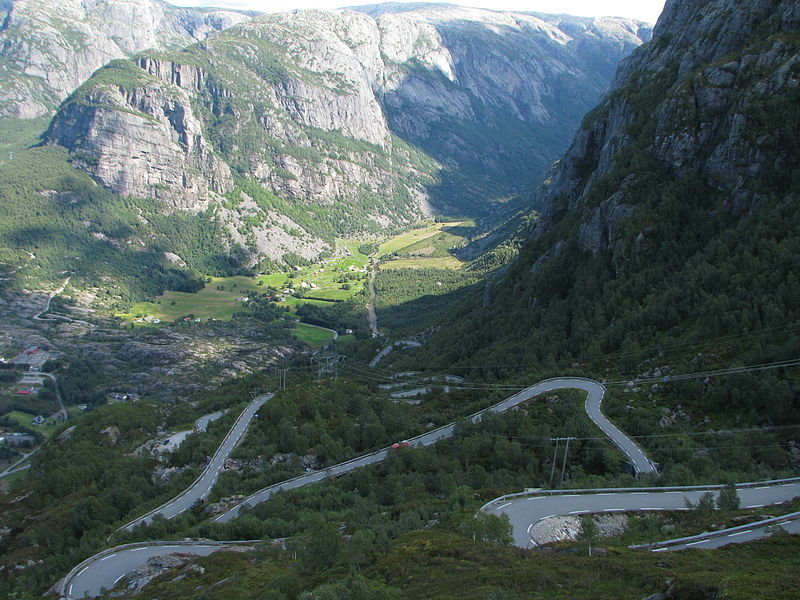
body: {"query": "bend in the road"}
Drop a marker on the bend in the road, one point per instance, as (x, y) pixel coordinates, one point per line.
(105, 569)
(595, 390)
(636, 456)
(93, 572)
(201, 487)
(526, 510)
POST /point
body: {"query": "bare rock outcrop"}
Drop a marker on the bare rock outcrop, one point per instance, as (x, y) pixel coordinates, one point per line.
(143, 141)
(360, 121)
(568, 528)
(712, 69)
(49, 52)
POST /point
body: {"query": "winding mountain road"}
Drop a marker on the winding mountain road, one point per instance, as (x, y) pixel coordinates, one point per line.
(201, 487)
(595, 390)
(594, 399)
(39, 316)
(106, 568)
(526, 510)
(202, 423)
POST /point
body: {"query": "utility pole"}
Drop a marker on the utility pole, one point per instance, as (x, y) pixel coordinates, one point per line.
(564, 464)
(280, 373)
(555, 458)
(553, 464)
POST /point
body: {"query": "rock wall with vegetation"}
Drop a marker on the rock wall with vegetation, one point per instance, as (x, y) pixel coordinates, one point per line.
(323, 124)
(670, 225)
(48, 49)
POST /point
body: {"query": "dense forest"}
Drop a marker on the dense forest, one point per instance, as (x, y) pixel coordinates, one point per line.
(687, 312)
(69, 226)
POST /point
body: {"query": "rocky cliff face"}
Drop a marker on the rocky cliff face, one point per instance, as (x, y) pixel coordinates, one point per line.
(49, 49)
(671, 221)
(343, 121)
(696, 101)
(156, 144)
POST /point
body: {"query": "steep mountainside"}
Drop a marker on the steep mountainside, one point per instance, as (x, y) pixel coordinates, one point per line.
(314, 124)
(48, 49)
(673, 217)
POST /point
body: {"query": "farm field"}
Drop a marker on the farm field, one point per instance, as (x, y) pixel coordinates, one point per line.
(222, 297)
(23, 418)
(403, 241)
(334, 279)
(312, 335)
(428, 247)
(444, 262)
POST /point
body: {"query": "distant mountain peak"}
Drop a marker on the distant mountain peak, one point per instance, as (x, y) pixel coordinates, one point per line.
(49, 48)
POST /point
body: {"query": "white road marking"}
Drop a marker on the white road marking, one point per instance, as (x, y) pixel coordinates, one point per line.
(578, 512)
(107, 557)
(698, 542)
(536, 498)
(755, 506)
(763, 487)
(547, 517)
(652, 508)
(116, 581)
(69, 591)
(503, 506)
(614, 509)
(529, 528)
(137, 549)
(659, 549)
(740, 533)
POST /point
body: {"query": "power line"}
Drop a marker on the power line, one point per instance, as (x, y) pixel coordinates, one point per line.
(793, 362)
(665, 379)
(658, 349)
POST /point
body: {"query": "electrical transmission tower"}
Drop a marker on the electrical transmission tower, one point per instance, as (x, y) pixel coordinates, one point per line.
(326, 363)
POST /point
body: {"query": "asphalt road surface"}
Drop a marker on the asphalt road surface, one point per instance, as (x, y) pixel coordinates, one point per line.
(201, 488)
(525, 511)
(595, 391)
(104, 570)
(636, 456)
(754, 532)
(108, 567)
(202, 423)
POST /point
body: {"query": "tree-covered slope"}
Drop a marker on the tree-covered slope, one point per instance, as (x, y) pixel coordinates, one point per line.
(671, 221)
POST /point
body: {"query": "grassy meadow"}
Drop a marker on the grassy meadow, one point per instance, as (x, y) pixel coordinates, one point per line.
(336, 279)
(26, 419)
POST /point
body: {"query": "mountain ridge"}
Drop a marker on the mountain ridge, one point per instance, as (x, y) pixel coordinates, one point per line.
(397, 117)
(47, 54)
(671, 215)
